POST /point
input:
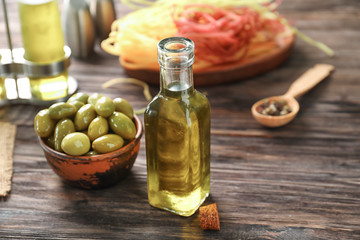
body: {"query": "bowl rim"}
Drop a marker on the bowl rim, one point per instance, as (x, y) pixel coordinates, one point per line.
(100, 157)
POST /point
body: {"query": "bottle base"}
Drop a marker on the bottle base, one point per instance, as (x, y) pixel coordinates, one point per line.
(183, 206)
(50, 88)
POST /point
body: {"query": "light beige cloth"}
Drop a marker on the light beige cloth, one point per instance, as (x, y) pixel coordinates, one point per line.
(7, 142)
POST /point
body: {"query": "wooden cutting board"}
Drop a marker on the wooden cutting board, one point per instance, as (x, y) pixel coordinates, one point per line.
(227, 73)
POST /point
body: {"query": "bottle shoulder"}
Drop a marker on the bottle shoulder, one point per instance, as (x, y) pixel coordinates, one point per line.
(196, 101)
(201, 95)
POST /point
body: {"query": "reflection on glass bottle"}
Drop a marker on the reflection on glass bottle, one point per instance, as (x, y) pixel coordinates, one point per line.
(177, 131)
(43, 43)
(2, 89)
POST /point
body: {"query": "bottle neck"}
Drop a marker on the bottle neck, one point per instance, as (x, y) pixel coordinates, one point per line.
(176, 79)
(176, 56)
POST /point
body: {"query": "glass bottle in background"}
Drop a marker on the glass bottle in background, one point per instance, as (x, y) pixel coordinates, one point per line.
(177, 133)
(2, 86)
(43, 42)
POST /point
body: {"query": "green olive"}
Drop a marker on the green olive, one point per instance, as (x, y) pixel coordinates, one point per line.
(63, 128)
(121, 105)
(76, 144)
(77, 104)
(93, 98)
(107, 143)
(84, 117)
(43, 124)
(97, 128)
(122, 125)
(91, 153)
(50, 141)
(104, 106)
(82, 97)
(61, 110)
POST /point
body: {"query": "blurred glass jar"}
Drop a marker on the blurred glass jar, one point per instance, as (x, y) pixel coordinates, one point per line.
(103, 14)
(79, 28)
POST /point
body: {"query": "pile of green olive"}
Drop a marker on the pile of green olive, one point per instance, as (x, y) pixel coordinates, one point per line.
(86, 124)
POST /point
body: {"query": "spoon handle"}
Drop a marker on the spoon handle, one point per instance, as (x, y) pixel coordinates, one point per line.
(309, 79)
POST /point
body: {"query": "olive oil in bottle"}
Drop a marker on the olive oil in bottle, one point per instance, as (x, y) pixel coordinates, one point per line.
(177, 133)
(2, 86)
(43, 42)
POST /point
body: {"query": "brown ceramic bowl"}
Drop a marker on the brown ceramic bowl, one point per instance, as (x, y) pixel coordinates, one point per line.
(99, 171)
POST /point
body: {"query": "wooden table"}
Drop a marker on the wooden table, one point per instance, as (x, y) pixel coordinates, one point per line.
(301, 181)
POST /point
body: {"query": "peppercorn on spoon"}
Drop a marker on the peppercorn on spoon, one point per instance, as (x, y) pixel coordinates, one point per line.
(303, 84)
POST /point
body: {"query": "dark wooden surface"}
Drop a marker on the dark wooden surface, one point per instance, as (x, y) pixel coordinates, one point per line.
(301, 181)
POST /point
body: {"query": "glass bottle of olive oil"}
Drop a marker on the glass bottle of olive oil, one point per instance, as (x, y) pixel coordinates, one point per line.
(43, 43)
(177, 133)
(2, 86)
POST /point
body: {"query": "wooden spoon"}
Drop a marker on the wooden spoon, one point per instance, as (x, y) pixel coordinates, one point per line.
(303, 84)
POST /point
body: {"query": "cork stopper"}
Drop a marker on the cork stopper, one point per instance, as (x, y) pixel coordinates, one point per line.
(209, 217)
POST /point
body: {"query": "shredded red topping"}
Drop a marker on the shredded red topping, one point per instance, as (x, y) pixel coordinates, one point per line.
(220, 35)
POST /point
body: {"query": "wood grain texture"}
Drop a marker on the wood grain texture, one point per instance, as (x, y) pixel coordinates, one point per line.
(301, 181)
(8, 131)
